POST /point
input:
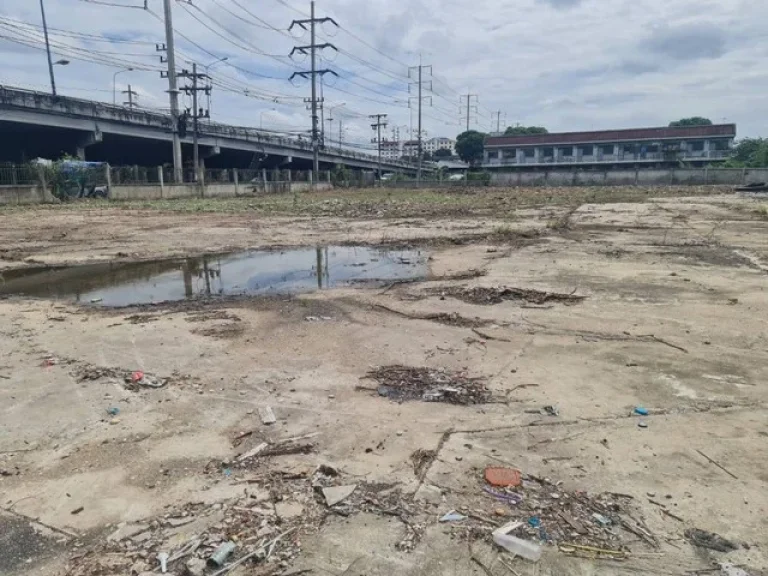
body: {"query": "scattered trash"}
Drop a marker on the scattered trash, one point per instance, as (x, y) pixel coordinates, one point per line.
(518, 547)
(77, 511)
(152, 382)
(489, 296)
(318, 318)
(113, 411)
(600, 519)
(337, 494)
(550, 411)
(704, 539)
(727, 569)
(509, 497)
(227, 472)
(267, 415)
(220, 555)
(402, 383)
(162, 557)
(723, 468)
(640, 411)
(136, 376)
(642, 424)
(453, 516)
(508, 527)
(48, 362)
(503, 476)
(96, 301)
(534, 521)
(253, 452)
(591, 551)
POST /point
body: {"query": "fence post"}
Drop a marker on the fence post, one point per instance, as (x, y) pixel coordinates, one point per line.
(328, 176)
(637, 176)
(41, 176)
(743, 176)
(288, 173)
(706, 175)
(108, 175)
(160, 179)
(264, 178)
(236, 178)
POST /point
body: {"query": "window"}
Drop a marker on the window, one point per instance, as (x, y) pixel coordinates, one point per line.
(607, 149)
(510, 153)
(587, 150)
(529, 152)
(547, 152)
(566, 151)
(697, 146)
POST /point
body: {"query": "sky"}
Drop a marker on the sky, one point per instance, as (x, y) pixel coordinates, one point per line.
(567, 65)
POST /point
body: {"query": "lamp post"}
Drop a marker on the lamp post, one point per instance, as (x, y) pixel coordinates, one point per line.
(212, 64)
(48, 49)
(114, 83)
(330, 118)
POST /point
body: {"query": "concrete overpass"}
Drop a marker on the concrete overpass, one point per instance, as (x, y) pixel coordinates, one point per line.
(36, 124)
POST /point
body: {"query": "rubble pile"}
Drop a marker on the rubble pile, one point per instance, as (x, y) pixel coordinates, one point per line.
(488, 296)
(403, 383)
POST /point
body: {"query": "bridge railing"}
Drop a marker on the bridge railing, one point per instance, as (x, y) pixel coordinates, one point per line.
(40, 101)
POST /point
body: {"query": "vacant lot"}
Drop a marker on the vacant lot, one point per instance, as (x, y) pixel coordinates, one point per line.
(546, 324)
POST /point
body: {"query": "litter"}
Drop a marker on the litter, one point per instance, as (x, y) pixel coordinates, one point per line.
(640, 411)
(254, 452)
(337, 494)
(403, 383)
(568, 548)
(727, 569)
(600, 519)
(96, 301)
(267, 415)
(113, 411)
(509, 497)
(151, 382)
(550, 411)
(642, 424)
(220, 555)
(518, 547)
(452, 516)
(136, 376)
(704, 539)
(162, 557)
(503, 476)
(77, 511)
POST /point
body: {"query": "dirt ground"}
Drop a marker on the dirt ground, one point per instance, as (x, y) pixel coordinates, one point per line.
(561, 310)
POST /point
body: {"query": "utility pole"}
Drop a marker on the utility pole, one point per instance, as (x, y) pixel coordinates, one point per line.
(470, 108)
(341, 135)
(381, 122)
(131, 94)
(48, 49)
(197, 113)
(314, 72)
(173, 91)
(498, 121)
(421, 99)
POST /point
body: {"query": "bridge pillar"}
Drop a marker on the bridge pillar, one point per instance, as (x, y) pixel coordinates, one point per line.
(87, 140)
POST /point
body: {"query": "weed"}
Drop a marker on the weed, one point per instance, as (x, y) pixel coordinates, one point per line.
(762, 211)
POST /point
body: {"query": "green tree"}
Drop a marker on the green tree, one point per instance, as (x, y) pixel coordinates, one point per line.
(525, 130)
(749, 153)
(442, 153)
(470, 145)
(692, 121)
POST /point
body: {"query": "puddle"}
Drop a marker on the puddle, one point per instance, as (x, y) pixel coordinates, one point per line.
(247, 273)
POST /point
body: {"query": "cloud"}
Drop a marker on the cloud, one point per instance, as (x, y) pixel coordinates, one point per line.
(687, 42)
(562, 4)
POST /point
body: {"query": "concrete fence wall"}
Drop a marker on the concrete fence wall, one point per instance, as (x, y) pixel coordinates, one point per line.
(180, 191)
(25, 194)
(681, 176)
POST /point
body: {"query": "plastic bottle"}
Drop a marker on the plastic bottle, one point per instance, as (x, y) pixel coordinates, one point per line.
(518, 547)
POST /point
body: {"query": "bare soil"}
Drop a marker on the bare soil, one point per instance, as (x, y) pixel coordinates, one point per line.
(565, 309)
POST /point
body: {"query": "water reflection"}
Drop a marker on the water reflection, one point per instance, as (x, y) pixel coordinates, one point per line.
(256, 272)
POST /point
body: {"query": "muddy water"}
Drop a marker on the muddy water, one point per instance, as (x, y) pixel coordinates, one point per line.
(247, 273)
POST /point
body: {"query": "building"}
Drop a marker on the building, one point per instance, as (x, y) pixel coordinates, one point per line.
(434, 144)
(411, 147)
(696, 145)
(391, 150)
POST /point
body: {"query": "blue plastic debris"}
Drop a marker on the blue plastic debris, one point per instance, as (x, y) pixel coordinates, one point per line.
(640, 411)
(534, 522)
(113, 411)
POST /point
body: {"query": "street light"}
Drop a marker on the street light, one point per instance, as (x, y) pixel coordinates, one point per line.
(61, 62)
(114, 83)
(330, 120)
(212, 64)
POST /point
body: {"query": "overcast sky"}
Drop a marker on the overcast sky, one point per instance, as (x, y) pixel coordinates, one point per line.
(564, 64)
